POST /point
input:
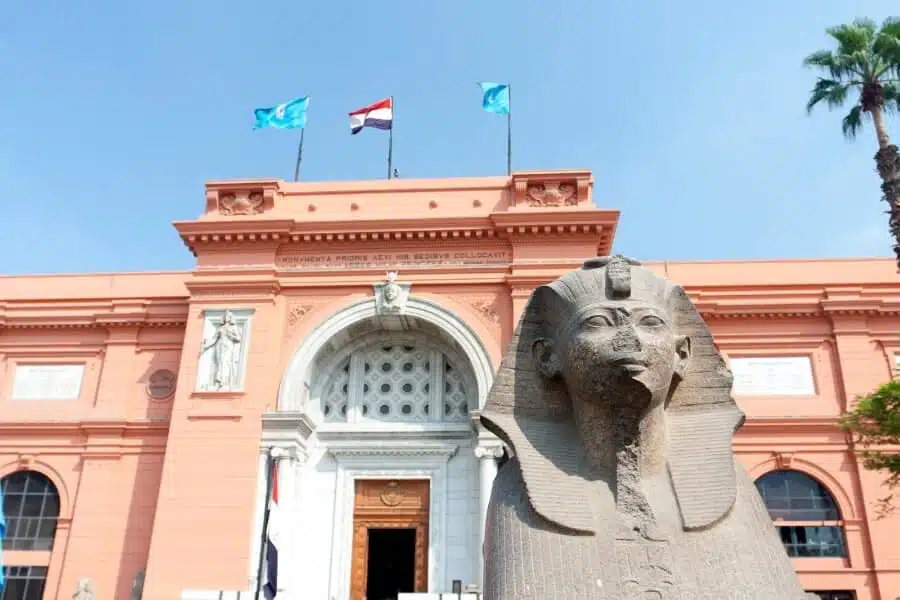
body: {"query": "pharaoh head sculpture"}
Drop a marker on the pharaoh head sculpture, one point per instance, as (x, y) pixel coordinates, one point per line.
(617, 334)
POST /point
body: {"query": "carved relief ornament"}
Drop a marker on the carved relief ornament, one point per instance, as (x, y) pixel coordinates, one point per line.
(390, 296)
(240, 203)
(556, 193)
(296, 314)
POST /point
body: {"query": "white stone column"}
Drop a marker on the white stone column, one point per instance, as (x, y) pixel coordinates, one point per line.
(288, 462)
(487, 453)
(256, 535)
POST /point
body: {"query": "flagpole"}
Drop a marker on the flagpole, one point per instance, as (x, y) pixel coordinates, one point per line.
(509, 130)
(390, 158)
(299, 156)
(270, 482)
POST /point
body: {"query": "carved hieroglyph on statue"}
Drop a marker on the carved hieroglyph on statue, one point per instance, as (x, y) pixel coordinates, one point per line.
(223, 355)
(390, 296)
(623, 486)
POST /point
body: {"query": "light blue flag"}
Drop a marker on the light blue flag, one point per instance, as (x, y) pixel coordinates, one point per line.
(291, 115)
(495, 97)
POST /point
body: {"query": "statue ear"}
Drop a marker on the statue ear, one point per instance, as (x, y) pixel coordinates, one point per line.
(682, 354)
(545, 359)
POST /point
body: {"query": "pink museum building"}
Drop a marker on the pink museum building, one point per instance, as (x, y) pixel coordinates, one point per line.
(356, 327)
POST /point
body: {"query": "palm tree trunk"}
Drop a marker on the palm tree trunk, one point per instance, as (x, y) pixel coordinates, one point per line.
(887, 161)
(880, 129)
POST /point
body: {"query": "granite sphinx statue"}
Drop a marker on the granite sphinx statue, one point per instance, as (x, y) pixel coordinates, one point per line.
(622, 484)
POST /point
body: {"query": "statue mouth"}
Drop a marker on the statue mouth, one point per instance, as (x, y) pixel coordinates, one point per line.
(631, 365)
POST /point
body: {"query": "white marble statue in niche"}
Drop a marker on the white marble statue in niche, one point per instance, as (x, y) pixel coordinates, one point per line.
(84, 590)
(223, 352)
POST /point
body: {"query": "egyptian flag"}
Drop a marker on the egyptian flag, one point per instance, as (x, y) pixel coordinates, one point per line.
(379, 116)
(273, 536)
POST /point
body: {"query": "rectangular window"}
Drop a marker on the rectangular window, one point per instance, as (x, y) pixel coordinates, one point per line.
(47, 382)
(773, 376)
(24, 583)
(812, 541)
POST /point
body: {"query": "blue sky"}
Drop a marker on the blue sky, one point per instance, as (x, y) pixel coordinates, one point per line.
(690, 114)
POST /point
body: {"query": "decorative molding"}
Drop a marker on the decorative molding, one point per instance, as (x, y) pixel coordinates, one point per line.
(241, 203)
(485, 306)
(232, 289)
(561, 189)
(791, 426)
(161, 384)
(552, 193)
(115, 314)
(783, 460)
(289, 431)
(295, 385)
(410, 449)
(242, 198)
(391, 297)
(491, 451)
(296, 312)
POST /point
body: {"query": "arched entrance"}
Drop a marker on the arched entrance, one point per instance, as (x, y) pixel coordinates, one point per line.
(384, 403)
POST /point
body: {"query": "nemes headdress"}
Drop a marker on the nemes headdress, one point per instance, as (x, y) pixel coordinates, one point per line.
(533, 415)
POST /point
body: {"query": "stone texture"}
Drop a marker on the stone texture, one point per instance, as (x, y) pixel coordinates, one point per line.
(624, 486)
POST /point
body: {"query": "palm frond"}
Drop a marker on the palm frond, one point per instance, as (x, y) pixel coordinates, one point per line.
(833, 93)
(886, 46)
(838, 66)
(854, 37)
(852, 122)
(890, 96)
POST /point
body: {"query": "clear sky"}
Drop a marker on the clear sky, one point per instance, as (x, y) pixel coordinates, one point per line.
(690, 114)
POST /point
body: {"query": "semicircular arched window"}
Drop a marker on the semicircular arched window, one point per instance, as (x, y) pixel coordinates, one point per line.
(805, 514)
(397, 382)
(31, 507)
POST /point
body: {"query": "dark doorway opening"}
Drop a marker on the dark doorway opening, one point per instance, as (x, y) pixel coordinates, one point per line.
(392, 563)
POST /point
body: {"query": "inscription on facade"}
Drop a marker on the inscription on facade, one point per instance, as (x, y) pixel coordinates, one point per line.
(47, 382)
(361, 260)
(773, 376)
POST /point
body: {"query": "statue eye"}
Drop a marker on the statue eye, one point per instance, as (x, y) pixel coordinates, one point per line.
(651, 321)
(598, 321)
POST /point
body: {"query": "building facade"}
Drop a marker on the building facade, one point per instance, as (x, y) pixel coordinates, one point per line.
(356, 327)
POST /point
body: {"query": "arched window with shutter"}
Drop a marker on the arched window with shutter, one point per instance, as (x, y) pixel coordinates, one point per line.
(31, 507)
(805, 514)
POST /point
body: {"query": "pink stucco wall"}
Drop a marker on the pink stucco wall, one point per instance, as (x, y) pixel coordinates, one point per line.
(168, 485)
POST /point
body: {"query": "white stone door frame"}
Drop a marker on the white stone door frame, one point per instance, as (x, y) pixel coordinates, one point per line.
(416, 460)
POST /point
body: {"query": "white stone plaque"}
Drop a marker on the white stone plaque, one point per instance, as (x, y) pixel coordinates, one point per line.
(47, 382)
(773, 376)
(223, 354)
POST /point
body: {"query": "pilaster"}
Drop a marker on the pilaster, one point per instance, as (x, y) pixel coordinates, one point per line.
(488, 450)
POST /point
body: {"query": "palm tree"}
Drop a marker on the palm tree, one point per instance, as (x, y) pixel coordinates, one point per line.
(867, 63)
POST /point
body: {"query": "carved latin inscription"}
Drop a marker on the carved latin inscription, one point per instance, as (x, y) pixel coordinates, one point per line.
(773, 376)
(47, 382)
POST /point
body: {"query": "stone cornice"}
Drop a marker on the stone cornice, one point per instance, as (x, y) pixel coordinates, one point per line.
(74, 314)
(760, 302)
(793, 425)
(518, 227)
(93, 428)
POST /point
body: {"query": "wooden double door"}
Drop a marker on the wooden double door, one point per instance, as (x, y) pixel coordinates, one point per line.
(389, 514)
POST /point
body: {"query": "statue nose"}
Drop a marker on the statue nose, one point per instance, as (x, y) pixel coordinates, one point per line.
(626, 340)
